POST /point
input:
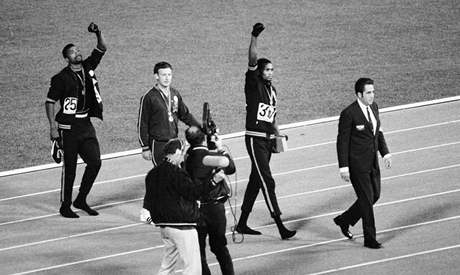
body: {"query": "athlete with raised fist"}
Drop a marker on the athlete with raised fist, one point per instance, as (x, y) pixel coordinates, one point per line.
(77, 91)
(261, 130)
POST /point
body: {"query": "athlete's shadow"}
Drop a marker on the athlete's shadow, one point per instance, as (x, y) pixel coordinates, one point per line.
(330, 203)
(420, 215)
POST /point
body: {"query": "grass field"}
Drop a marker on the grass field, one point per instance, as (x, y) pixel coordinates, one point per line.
(319, 48)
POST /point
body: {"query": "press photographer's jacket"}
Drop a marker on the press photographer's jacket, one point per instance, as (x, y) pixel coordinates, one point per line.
(171, 196)
(202, 174)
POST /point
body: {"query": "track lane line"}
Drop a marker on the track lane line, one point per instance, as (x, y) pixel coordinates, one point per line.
(235, 259)
(88, 260)
(239, 158)
(227, 207)
(260, 227)
(339, 240)
(241, 134)
(259, 201)
(386, 133)
(71, 236)
(424, 252)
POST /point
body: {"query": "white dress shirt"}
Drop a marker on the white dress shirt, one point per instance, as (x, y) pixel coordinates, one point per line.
(363, 109)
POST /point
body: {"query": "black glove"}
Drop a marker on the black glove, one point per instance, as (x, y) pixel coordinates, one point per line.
(257, 29)
(93, 28)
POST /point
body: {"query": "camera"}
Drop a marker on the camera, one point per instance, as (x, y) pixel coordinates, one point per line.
(209, 126)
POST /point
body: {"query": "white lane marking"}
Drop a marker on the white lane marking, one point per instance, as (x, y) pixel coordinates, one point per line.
(71, 236)
(228, 233)
(235, 259)
(338, 240)
(57, 214)
(238, 134)
(349, 185)
(275, 174)
(386, 133)
(89, 260)
(375, 205)
(387, 259)
(259, 201)
(75, 187)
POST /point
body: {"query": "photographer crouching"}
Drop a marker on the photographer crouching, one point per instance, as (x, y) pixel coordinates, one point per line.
(208, 168)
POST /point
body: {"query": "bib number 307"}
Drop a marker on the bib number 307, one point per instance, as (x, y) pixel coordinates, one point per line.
(266, 112)
(70, 105)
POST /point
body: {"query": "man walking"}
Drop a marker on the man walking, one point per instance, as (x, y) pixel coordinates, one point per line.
(359, 140)
(261, 130)
(77, 91)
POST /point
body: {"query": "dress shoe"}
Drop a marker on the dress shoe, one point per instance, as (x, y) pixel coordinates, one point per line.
(373, 244)
(85, 207)
(343, 227)
(66, 212)
(246, 230)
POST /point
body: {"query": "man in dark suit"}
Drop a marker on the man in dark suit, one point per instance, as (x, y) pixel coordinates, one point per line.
(359, 139)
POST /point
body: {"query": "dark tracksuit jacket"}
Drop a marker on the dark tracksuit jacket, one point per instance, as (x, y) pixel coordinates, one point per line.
(78, 135)
(153, 119)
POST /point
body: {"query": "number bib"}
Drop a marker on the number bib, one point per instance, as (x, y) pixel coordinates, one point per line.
(266, 112)
(70, 106)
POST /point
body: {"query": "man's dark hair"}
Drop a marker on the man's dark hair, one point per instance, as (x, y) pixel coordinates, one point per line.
(359, 85)
(66, 49)
(261, 63)
(194, 136)
(172, 145)
(161, 65)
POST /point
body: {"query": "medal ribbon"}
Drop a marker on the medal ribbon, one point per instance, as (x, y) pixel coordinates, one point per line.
(271, 95)
(83, 83)
(167, 100)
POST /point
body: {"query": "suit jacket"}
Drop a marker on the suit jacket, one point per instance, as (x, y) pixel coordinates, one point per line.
(357, 146)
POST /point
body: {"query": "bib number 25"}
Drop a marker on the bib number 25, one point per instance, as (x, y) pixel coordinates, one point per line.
(266, 112)
(70, 105)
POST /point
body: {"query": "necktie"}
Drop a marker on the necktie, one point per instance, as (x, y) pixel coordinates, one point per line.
(370, 120)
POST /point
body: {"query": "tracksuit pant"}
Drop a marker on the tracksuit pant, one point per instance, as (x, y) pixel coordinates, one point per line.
(157, 152)
(79, 140)
(214, 223)
(260, 151)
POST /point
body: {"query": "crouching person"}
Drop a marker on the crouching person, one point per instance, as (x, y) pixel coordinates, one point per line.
(208, 168)
(171, 198)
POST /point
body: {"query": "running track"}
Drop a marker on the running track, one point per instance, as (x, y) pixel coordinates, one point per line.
(417, 216)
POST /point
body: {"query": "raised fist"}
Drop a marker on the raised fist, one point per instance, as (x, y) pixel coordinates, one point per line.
(93, 28)
(257, 29)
